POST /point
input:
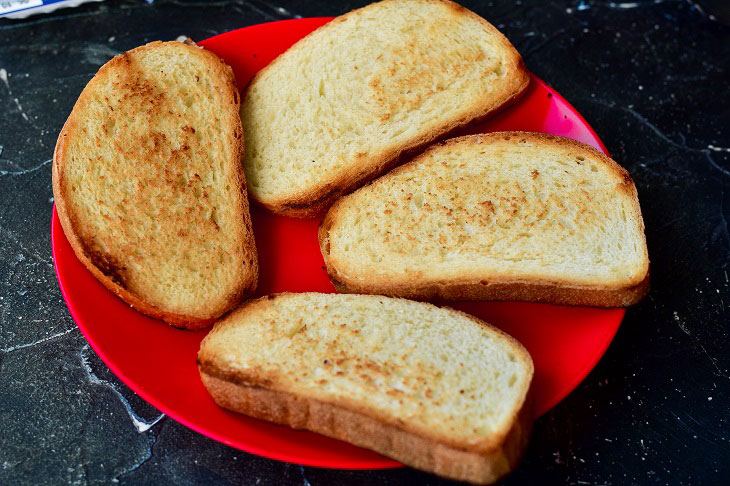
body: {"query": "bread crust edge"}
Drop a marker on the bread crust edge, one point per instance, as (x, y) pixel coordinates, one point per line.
(255, 394)
(500, 288)
(69, 222)
(363, 431)
(524, 291)
(317, 201)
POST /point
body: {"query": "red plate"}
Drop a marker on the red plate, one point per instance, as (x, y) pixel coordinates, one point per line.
(158, 361)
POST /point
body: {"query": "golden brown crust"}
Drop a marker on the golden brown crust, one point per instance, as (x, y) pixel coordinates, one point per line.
(500, 288)
(256, 377)
(102, 266)
(543, 292)
(254, 393)
(364, 431)
(314, 202)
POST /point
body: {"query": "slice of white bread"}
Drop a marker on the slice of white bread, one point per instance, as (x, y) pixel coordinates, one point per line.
(149, 187)
(434, 388)
(501, 216)
(341, 105)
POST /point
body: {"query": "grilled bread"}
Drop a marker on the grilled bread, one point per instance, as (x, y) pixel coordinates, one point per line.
(432, 387)
(149, 187)
(341, 105)
(502, 216)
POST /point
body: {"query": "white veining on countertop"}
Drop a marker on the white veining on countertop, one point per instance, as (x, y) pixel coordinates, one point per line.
(25, 171)
(6, 161)
(623, 5)
(305, 481)
(98, 54)
(270, 11)
(144, 426)
(645, 122)
(286, 13)
(139, 423)
(715, 164)
(681, 324)
(587, 5)
(545, 40)
(4, 78)
(583, 5)
(718, 149)
(146, 457)
(37, 256)
(714, 362)
(39, 341)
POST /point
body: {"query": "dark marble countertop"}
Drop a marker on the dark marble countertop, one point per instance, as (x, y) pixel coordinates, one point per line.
(652, 78)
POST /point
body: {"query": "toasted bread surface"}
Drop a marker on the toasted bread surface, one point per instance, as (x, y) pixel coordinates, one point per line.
(149, 187)
(340, 106)
(432, 387)
(502, 216)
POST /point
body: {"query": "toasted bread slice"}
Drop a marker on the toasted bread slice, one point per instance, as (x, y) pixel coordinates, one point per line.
(341, 105)
(432, 387)
(149, 187)
(502, 216)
